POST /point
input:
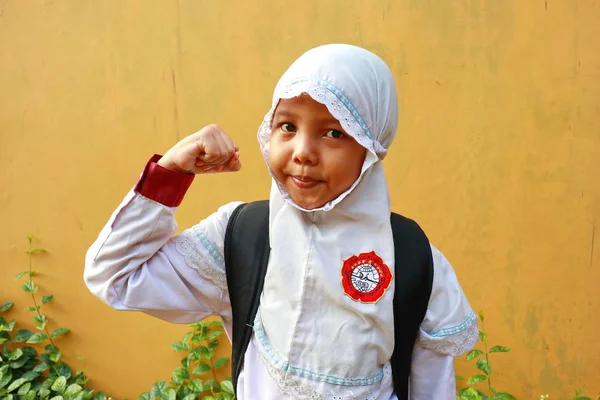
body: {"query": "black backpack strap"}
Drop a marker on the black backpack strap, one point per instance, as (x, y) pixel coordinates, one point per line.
(413, 284)
(246, 258)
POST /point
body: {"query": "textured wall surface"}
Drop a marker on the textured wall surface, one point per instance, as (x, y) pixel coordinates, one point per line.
(497, 155)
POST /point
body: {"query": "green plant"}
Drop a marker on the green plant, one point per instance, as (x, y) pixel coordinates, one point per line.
(24, 374)
(579, 396)
(199, 347)
(483, 365)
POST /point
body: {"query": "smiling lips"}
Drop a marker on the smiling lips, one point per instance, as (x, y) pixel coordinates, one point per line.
(305, 182)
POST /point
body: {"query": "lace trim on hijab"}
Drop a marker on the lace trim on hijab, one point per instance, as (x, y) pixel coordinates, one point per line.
(452, 341)
(338, 105)
(200, 254)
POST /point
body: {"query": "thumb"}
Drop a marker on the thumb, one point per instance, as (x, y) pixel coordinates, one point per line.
(234, 163)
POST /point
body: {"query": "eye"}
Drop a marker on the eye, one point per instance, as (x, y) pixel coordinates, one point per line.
(334, 134)
(287, 127)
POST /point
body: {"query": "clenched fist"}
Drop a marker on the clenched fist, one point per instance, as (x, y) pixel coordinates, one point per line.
(208, 150)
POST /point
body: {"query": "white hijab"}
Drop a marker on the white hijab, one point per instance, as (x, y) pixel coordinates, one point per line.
(323, 328)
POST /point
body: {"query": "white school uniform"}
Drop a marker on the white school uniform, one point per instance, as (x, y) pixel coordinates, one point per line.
(317, 335)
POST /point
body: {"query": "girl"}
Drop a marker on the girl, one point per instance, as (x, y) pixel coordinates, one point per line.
(316, 335)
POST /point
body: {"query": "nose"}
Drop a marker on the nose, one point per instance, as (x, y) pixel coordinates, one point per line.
(305, 150)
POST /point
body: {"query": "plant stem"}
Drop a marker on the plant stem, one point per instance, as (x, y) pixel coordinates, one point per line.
(37, 308)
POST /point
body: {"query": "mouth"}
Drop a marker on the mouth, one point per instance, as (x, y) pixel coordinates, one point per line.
(305, 182)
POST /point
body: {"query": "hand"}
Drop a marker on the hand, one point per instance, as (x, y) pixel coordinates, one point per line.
(206, 151)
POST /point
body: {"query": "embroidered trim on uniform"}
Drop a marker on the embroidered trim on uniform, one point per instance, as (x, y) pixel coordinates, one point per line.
(274, 359)
(365, 277)
(216, 254)
(455, 329)
(199, 258)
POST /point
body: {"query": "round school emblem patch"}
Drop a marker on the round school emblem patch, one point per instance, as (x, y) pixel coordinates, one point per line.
(365, 277)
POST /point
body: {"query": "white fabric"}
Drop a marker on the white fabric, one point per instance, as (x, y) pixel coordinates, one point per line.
(310, 334)
(135, 265)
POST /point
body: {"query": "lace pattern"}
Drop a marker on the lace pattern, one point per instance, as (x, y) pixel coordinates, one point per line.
(338, 105)
(293, 388)
(452, 341)
(201, 255)
(298, 383)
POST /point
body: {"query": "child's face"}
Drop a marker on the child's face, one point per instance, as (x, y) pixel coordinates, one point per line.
(310, 154)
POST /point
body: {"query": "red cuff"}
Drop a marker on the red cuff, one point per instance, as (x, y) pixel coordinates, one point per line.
(163, 185)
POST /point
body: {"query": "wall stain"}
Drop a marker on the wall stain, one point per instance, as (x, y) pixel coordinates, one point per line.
(593, 240)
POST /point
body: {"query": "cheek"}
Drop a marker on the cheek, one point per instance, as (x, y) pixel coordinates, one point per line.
(276, 153)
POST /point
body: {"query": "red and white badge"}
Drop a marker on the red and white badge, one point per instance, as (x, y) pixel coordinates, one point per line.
(365, 277)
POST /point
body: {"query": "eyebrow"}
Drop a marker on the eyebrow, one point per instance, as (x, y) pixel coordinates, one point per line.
(285, 113)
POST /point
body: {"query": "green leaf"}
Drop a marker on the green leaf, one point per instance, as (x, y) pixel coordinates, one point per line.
(15, 355)
(22, 335)
(227, 387)
(482, 336)
(221, 362)
(503, 396)
(32, 273)
(499, 349)
(484, 366)
(44, 392)
(30, 308)
(6, 378)
(37, 338)
(473, 353)
(59, 384)
(46, 299)
(29, 287)
(180, 346)
(100, 396)
(41, 367)
(196, 386)
(146, 396)
(57, 398)
(21, 274)
(73, 389)
(23, 390)
(210, 384)
(170, 394)
(30, 375)
(60, 332)
(201, 369)
(11, 325)
(208, 398)
(159, 387)
(63, 369)
(214, 334)
(19, 363)
(41, 321)
(190, 396)
(476, 379)
(36, 251)
(481, 315)
(16, 384)
(7, 305)
(459, 378)
(179, 375)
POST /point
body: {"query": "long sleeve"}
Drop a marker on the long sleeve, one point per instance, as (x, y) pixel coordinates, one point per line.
(137, 264)
(448, 330)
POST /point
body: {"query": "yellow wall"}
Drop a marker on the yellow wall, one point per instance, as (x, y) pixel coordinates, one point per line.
(497, 156)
